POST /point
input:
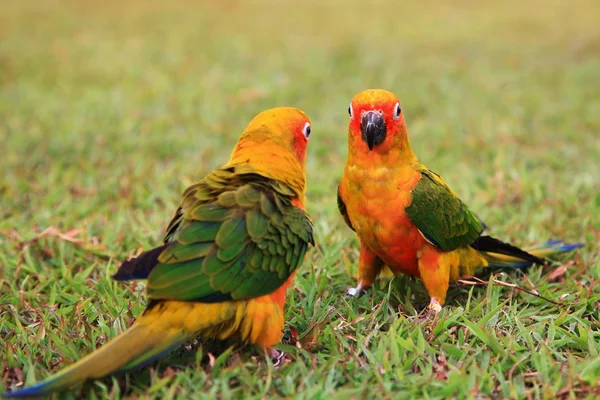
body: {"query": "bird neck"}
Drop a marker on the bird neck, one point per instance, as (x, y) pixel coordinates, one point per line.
(389, 154)
(272, 161)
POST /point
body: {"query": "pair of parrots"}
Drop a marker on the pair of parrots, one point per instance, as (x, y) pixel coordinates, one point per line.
(233, 247)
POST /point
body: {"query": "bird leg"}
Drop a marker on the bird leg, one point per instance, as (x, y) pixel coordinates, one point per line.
(435, 273)
(369, 267)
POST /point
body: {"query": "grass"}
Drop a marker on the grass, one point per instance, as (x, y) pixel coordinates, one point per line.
(110, 110)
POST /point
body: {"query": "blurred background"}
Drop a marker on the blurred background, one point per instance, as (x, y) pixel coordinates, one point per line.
(110, 109)
(136, 94)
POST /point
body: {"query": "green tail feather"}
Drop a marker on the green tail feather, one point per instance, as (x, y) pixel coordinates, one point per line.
(136, 346)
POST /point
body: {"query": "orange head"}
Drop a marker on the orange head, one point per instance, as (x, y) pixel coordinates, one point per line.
(376, 123)
(274, 144)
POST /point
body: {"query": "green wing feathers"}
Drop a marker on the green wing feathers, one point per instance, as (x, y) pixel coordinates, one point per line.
(441, 217)
(235, 236)
(342, 208)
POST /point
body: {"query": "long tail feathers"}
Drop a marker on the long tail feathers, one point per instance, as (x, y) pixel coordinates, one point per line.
(139, 345)
(504, 255)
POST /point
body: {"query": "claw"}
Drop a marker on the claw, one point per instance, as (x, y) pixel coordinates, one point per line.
(430, 313)
(354, 292)
(435, 306)
(276, 356)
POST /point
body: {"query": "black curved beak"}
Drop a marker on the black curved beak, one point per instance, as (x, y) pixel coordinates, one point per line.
(373, 129)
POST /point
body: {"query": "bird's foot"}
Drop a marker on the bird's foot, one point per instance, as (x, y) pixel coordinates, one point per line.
(355, 291)
(276, 356)
(430, 313)
(434, 306)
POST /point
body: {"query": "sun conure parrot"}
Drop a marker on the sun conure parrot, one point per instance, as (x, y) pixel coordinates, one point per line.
(405, 216)
(228, 257)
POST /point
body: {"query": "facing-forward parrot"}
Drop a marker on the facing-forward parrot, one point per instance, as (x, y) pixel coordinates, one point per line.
(405, 216)
(228, 257)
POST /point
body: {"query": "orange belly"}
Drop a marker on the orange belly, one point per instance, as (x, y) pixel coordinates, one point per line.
(376, 208)
(393, 237)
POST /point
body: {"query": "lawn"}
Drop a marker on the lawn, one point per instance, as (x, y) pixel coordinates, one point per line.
(109, 111)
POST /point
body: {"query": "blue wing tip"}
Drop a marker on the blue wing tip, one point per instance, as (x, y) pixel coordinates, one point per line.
(515, 265)
(122, 277)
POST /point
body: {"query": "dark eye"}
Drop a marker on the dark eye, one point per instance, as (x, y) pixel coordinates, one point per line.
(397, 111)
(306, 130)
(350, 112)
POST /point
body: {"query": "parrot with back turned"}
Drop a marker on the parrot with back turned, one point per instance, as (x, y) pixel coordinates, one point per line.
(228, 257)
(405, 216)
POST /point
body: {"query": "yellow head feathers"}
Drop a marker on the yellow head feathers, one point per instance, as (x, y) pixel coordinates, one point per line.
(274, 144)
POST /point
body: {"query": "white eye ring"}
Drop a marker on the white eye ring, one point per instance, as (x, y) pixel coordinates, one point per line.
(397, 111)
(350, 111)
(306, 130)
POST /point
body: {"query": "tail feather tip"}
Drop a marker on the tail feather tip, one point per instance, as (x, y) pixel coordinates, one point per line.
(32, 391)
(553, 242)
(569, 247)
